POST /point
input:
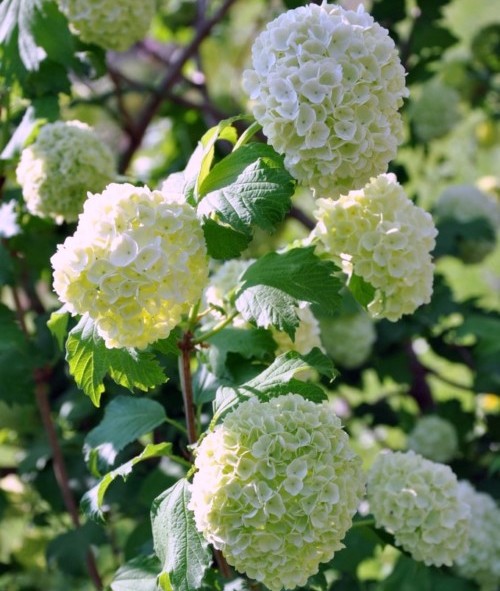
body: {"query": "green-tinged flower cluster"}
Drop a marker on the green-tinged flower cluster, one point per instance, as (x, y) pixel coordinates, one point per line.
(326, 85)
(307, 335)
(135, 264)
(481, 562)
(466, 203)
(348, 339)
(111, 24)
(434, 438)
(435, 112)
(65, 161)
(417, 500)
(276, 488)
(380, 235)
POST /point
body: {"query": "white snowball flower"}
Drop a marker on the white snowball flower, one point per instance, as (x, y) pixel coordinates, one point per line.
(8, 220)
(65, 161)
(434, 438)
(276, 488)
(481, 562)
(465, 203)
(348, 339)
(418, 501)
(136, 263)
(326, 85)
(112, 24)
(383, 237)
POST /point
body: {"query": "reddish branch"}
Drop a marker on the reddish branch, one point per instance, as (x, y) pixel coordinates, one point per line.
(186, 347)
(419, 387)
(170, 78)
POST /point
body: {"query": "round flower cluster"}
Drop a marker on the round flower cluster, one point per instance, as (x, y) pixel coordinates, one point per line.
(435, 112)
(434, 438)
(135, 264)
(481, 562)
(348, 339)
(307, 335)
(384, 238)
(326, 87)
(276, 488)
(109, 23)
(417, 500)
(66, 160)
(465, 203)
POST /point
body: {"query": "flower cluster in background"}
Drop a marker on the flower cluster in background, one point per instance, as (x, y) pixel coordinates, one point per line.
(418, 501)
(378, 234)
(481, 562)
(109, 24)
(56, 171)
(466, 203)
(135, 264)
(434, 438)
(276, 488)
(348, 339)
(326, 86)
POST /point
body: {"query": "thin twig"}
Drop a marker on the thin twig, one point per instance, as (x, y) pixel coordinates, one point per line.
(419, 388)
(59, 466)
(186, 347)
(170, 78)
(301, 217)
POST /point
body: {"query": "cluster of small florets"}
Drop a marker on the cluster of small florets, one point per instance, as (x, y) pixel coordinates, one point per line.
(326, 86)
(135, 264)
(348, 339)
(111, 24)
(434, 438)
(384, 238)
(307, 335)
(435, 112)
(481, 562)
(417, 500)
(276, 488)
(66, 160)
(465, 203)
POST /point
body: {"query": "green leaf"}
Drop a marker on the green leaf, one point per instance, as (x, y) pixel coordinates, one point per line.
(248, 188)
(256, 343)
(138, 574)
(273, 286)
(362, 291)
(92, 500)
(125, 420)
(90, 361)
(222, 241)
(6, 267)
(182, 550)
(58, 325)
(279, 378)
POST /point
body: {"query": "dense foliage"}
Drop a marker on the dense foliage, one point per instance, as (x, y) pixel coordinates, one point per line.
(249, 295)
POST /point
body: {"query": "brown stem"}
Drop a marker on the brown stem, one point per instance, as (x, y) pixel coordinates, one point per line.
(186, 346)
(59, 466)
(301, 217)
(224, 568)
(419, 388)
(170, 78)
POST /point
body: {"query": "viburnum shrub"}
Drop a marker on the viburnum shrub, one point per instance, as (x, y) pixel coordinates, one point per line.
(419, 502)
(260, 303)
(276, 488)
(65, 162)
